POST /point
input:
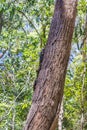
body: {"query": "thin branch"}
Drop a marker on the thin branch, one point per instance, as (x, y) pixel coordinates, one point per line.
(3, 53)
(85, 37)
(4, 117)
(31, 24)
(1, 21)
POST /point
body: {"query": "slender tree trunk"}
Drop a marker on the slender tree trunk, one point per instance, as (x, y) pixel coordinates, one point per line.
(82, 92)
(13, 119)
(54, 124)
(51, 77)
(57, 123)
(60, 119)
(1, 21)
(84, 55)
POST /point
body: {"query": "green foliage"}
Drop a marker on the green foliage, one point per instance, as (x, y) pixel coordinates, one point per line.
(74, 87)
(24, 33)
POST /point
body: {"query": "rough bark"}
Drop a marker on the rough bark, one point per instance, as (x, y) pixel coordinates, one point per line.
(50, 81)
(57, 123)
(60, 119)
(54, 124)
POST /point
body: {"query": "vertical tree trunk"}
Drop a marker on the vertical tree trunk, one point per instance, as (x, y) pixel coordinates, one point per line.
(60, 119)
(84, 74)
(1, 21)
(50, 81)
(57, 123)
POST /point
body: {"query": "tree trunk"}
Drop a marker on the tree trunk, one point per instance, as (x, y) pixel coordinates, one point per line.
(1, 21)
(60, 119)
(57, 123)
(84, 75)
(51, 77)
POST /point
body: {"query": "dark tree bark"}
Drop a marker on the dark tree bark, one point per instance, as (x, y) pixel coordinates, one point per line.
(51, 77)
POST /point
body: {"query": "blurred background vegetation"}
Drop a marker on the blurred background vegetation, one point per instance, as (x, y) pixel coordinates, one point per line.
(24, 28)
